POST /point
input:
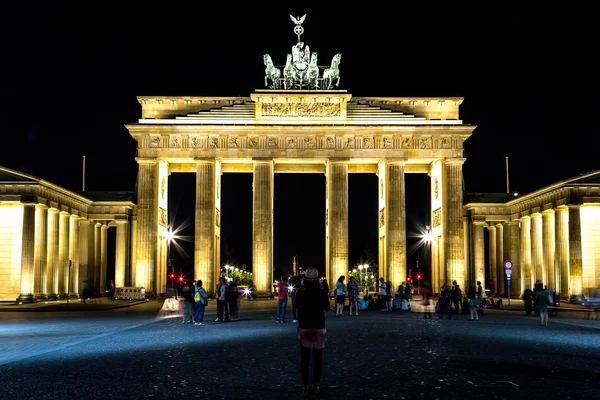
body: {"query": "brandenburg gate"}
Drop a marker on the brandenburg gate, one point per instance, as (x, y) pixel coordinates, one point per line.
(273, 131)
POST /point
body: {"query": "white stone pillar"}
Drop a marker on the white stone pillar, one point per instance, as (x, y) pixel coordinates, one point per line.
(512, 252)
(561, 258)
(86, 254)
(590, 256)
(492, 257)
(478, 253)
(575, 261)
(73, 277)
(52, 255)
(526, 273)
(132, 262)
(103, 256)
(262, 225)
(537, 250)
(96, 287)
(205, 266)
(63, 252)
(147, 226)
(40, 256)
(27, 253)
(122, 252)
(395, 269)
(452, 217)
(499, 259)
(548, 242)
(337, 218)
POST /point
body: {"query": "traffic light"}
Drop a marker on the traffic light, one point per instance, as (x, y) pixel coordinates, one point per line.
(408, 279)
(172, 276)
(419, 277)
(181, 279)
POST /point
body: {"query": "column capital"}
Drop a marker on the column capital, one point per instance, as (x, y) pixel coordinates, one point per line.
(479, 223)
(454, 161)
(147, 161)
(548, 211)
(396, 161)
(121, 221)
(338, 160)
(524, 217)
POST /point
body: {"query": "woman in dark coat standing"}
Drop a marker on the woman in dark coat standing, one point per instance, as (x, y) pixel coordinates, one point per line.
(311, 302)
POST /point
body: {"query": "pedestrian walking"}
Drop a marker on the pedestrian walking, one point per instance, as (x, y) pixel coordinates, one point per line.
(426, 302)
(480, 294)
(293, 286)
(340, 295)
(528, 299)
(232, 298)
(383, 294)
(282, 298)
(312, 302)
(353, 294)
(541, 303)
(473, 303)
(187, 311)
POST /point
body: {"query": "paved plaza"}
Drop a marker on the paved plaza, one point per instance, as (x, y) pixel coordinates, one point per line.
(142, 350)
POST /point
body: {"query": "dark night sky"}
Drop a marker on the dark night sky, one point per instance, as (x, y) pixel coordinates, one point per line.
(71, 77)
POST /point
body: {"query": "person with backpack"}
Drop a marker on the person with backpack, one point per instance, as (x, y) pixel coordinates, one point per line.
(200, 299)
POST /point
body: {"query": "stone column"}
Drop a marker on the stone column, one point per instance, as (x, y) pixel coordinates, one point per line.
(103, 256)
(262, 225)
(122, 252)
(132, 262)
(73, 278)
(40, 262)
(478, 253)
(590, 256)
(526, 275)
(492, 256)
(395, 270)
(561, 255)
(27, 253)
(499, 259)
(452, 217)
(52, 255)
(205, 267)
(537, 251)
(548, 242)
(512, 252)
(86, 253)
(63, 252)
(147, 227)
(96, 287)
(337, 218)
(575, 262)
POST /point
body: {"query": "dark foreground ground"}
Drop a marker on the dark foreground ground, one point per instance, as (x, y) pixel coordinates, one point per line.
(143, 351)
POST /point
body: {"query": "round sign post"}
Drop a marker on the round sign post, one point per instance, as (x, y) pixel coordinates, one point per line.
(508, 271)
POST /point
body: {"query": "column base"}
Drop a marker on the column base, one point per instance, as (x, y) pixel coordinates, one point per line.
(26, 298)
(52, 296)
(41, 297)
(264, 295)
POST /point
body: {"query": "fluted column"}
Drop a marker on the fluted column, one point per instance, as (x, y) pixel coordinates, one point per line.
(548, 242)
(478, 252)
(395, 270)
(40, 256)
(512, 252)
(262, 225)
(561, 255)
(27, 253)
(526, 273)
(74, 254)
(122, 252)
(52, 255)
(103, 256)
(452, 217)
(590, 256)
(86, 254)
(337, 218)
(63, 252)
(499, 259)
(492, 256)
(575, 262)
(132, 262)
(205, 267)
(96, 289)
(537, 251)
(147, 227)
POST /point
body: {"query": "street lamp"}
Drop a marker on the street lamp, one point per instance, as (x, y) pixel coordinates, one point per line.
(170, 236)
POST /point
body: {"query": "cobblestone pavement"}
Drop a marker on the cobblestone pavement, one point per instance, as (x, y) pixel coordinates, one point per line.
(144, 351)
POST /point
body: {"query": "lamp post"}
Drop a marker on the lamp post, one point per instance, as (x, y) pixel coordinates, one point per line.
(170, 237)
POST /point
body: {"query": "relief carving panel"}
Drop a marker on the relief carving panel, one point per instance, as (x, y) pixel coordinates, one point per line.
(301, 110)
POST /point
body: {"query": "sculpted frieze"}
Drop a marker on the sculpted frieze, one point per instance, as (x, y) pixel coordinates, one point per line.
(329, 142)
(213, 142)
(233, 142)
(291, 143)
(388, 143)
(174, 142)
(272, 143)
(445, 143)
(367, 143)
(194, 142)
(252, 143)
(155, 141)
(310, 110)
(425, 143)
(407, 143)
(349, 143)
(309, 143)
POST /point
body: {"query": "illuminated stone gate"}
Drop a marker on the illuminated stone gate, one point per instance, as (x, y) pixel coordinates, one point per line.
(299, 131)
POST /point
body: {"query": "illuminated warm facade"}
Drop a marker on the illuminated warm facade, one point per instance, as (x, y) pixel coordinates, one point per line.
(299, 131)
(52, 239)
(551, 235)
